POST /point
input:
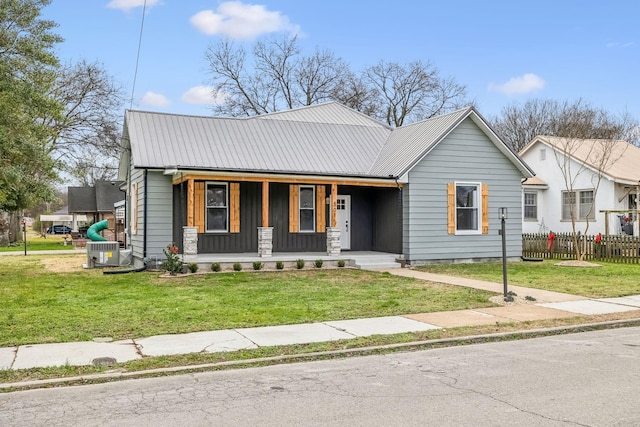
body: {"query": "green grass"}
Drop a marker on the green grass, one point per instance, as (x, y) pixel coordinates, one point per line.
(50, 243)
(609, 280)
(40, 305)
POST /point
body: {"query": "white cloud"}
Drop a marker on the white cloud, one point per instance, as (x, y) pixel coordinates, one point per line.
(518, 85)
(237, 20)
(203, 95)
(129, 4)
(153, 99)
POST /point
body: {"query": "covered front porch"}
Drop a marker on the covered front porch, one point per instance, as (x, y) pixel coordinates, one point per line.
(265, 216)
(366, 260)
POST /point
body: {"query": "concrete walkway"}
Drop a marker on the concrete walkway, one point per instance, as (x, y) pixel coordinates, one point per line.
(548, 305)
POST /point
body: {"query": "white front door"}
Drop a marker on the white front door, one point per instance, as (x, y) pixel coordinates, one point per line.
(343, 206)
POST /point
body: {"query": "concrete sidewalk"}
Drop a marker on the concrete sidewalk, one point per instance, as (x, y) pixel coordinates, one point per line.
(548, 305)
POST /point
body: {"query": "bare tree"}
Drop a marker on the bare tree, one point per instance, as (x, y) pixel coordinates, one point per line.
(278, 76)
(353, 92)
(320, 76)
(578, 158)
(519, 124)
(244, 93)
(275, 76)
(87, 133)
(413, 92)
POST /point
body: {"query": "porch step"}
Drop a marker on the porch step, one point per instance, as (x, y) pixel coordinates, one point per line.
(372, 264)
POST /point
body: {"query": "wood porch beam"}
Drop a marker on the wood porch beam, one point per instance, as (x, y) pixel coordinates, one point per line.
(291, 180)
(265, 203)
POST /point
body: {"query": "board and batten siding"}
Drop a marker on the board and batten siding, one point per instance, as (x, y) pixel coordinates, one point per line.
(465, 155)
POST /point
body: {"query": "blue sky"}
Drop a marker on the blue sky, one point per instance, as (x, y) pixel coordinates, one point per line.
(503, 51)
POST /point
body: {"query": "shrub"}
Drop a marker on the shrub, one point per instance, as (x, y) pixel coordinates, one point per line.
(237, 266)
(257, 265)
(279, 265)
(318, 263)
(193, 267)
(215, 266)
(173, 264)
(341, 263)
(300, 264)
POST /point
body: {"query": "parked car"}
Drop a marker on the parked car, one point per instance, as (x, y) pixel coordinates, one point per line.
(59, 229)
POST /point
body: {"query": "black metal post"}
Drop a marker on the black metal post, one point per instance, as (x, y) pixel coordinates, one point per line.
(504, 257)
(24, 236)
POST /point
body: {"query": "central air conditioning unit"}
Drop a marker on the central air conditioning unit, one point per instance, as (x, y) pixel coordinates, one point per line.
(101, 254)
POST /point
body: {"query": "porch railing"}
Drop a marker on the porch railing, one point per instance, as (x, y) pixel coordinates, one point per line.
(611, 248)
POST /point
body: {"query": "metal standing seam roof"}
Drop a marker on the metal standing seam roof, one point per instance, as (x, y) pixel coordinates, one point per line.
(328, 112)
(409, 143)
(327, 139)
(304, 144)
(624, 158)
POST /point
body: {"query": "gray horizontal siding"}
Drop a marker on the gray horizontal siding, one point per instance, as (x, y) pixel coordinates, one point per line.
(136, 241)
(465, 155)
(159, 213)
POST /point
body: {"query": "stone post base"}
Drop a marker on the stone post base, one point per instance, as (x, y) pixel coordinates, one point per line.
(189, 243)
(265, 241)
(333, 241)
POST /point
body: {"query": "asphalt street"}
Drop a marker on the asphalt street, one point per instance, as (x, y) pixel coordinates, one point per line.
(585, 379)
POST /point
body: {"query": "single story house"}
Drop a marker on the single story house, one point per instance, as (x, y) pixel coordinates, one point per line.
(322, 178)
(97, 201)
(602, 186)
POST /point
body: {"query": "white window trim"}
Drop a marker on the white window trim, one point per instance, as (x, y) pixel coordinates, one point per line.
(313, 209)
(478, 201)
(524, 206)
(576, 205)
(207, 207)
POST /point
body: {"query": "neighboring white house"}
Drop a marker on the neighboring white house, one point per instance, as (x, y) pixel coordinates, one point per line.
(610, 208)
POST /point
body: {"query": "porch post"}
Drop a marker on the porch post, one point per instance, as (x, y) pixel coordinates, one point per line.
(333, 232)
(265, 203)
(334, 205)
(265, 241)
(189, 243)
(265, 233)
(190, 203)
(333, 241)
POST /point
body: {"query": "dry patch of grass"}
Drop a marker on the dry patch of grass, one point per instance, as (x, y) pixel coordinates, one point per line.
(69, 264)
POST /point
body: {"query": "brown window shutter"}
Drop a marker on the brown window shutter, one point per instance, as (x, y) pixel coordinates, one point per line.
(199, 206)
(234, 207)
(451, 208)
(485, 209)
(294, 207)
(321, 210)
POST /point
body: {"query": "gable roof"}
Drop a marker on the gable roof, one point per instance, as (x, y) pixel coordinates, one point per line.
(322, 139)
(625, 157)
(293, 142)
(409, 144)
(99, 198)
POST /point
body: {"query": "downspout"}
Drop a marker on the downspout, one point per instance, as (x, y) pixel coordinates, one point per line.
(144, 240)
(402, 258)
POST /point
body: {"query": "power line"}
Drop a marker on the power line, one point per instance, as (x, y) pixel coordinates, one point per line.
(135, 74)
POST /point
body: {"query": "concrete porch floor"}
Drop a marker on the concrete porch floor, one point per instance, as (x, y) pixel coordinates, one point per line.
(367, 260)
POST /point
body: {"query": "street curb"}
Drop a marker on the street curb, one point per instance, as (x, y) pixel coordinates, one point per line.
(410, 346)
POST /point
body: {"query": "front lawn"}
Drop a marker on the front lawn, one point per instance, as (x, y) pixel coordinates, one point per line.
(609, 280)
(52, 299)
(37, 243)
